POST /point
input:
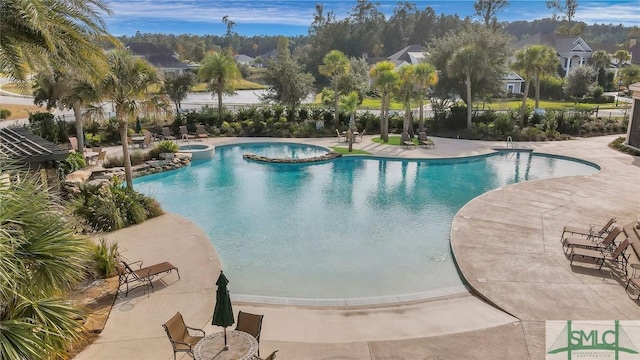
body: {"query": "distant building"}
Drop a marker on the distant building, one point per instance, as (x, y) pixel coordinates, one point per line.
(242, 59)
(159, 56)
(634, 50)
(514, 83)
(572, 51)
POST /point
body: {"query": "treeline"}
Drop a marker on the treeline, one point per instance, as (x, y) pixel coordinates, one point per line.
(366, 29)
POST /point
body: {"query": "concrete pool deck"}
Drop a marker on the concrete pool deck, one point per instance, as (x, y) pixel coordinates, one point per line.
(506, 243)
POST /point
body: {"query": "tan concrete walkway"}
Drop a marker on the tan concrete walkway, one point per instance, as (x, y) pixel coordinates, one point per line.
(520, 219)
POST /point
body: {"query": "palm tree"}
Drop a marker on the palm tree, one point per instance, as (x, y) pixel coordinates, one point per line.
(621, 56)
(547, 64)
(349, 104)
(126, 85)
(600, 59)
(385, 79)
(335, 66)
(219, 70)
(524, 65)
(425, 75)
(42, 259)
(68, 90)
(38, 33)
(405, 94)
(468, 62)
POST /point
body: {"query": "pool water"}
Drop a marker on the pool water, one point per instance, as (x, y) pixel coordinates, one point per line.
(355, 227)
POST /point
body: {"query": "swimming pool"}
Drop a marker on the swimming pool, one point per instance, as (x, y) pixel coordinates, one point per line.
(356, 228)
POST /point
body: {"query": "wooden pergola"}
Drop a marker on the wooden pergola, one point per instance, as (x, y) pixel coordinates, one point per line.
(19, 145)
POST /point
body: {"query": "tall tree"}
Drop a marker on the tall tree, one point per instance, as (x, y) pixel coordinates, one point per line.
(37, 33)
(578, 82)
(405, 93)
(349, 104)
(385, 80)
(621, 56)
(425, 76)
(490, 49)
(219, 70)
(126, 85)
(600, 59)
(177, 87)
(566, 7)
(288, 83)
(629, 75)
(67, 90)
(489, 9)
(524, 65)
(469, 63)
(546, 64)
(42, 259)
(335, 66)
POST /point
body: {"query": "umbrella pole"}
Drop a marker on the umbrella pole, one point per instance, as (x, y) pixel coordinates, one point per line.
(226, 347)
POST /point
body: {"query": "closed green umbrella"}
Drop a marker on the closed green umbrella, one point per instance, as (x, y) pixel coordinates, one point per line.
(223, 312)
(138, 126)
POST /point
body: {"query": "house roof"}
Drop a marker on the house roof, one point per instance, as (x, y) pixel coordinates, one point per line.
(159, 56)
(243, 59)
(21, 145)
(412, 54)
(562, 43)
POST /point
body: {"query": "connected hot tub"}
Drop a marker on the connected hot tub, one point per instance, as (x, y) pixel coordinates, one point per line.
(198, 151)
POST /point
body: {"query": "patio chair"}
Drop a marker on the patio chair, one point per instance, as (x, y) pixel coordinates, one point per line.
(592, 231)
(101, 156)
(340, 137)
(184, 133)
(201, 132)
(423, 140)
(178, 333)
(251, 324)
(271, 356)
(634, 280)
(616, 256)
(142, 276)
(74, 143)
(606, 243)
(406, 141)
(166, 133)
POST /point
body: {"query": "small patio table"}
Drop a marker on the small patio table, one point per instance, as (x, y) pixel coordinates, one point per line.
(138, 140)
(242, 346)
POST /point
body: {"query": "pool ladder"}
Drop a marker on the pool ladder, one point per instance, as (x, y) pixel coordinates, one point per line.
(510, 142)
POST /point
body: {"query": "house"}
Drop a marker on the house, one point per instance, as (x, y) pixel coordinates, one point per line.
(514, 83)
(633, 131)
(573, 51)
(634, 50)
(159, 56)
(412, 55)
(242, 59)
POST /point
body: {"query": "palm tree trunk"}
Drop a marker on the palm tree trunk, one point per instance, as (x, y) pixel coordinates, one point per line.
(384, 127)
(537, 80)
(336, 112)
(421, 122)
(77, 112)
(469, 104)
(523, 108)
(219, 104)
(122, 126)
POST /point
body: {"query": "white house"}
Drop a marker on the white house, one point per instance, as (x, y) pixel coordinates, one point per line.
(572, 51)
(159, 56)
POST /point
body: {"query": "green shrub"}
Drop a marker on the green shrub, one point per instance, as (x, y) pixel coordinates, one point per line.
(73, 162)
(619, 145)
(105, 258)
(504, 126)
(113, 207)
(4, 114)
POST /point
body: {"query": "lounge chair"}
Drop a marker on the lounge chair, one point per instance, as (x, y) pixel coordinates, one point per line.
(423, 140)
(201, 132)
(606, 243)
(184, 133)
(251, 324)
(340, 137)
(592, 231)
(271, 356)
(166, 134)
(142, 276)
(178, 333)
(616, 256)
(405, 140)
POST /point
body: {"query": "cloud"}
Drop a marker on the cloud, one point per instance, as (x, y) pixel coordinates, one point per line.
(614, 13)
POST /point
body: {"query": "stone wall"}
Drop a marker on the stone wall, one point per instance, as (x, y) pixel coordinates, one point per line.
(329, 156)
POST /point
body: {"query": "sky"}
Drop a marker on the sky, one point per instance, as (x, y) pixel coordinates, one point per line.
(282, 17)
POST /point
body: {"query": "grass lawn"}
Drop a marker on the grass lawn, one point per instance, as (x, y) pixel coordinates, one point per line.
(241, 84)
(345, 151)
(393, 140)
(11, 87)
(21, 111)
(374, 104)
(545, 104)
